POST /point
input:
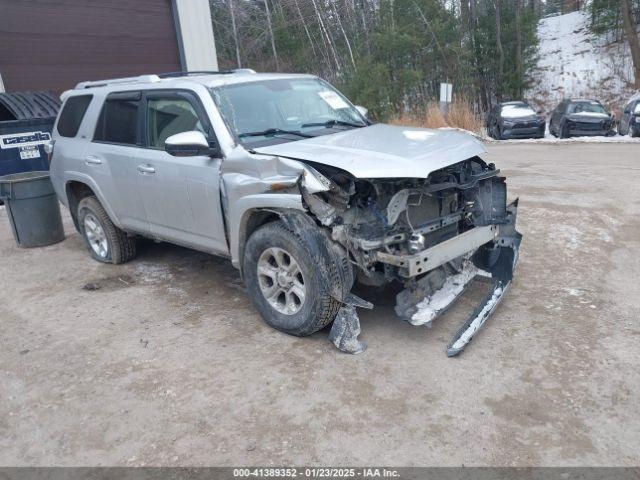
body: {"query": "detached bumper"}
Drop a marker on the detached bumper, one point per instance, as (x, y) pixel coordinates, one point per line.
(489, 252)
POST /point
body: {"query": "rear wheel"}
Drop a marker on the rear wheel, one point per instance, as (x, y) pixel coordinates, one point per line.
(106, 242)
(291, 278)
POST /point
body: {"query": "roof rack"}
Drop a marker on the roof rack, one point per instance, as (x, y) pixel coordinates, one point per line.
(205, 72)
(115, 81)
(158, 77)
(196, 72)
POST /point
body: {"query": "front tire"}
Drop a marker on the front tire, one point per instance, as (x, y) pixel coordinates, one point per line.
(292, 275)
(564, 131)
(106, 242)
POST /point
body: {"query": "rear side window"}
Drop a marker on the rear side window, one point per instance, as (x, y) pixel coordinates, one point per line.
(72, 114)
(118, 122)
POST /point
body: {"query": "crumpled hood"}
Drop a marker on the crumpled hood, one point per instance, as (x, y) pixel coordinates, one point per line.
(383, 151)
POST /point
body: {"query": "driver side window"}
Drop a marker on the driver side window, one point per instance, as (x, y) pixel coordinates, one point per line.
(168, 116)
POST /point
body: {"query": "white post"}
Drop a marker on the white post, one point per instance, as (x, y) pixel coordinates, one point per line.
(446, 91)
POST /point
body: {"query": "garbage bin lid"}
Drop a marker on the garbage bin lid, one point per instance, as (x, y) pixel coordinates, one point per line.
(28, 105)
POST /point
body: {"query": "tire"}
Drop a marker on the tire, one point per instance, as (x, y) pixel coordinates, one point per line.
(118, 246)
(634, 131)
(324, 269)
(564, 131)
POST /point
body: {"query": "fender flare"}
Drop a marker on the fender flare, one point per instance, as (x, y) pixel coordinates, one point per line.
(88, 181)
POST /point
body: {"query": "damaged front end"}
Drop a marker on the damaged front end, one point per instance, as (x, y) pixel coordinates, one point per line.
(435, 235)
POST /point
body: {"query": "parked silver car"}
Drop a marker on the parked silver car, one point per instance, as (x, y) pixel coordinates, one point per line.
(284, 176)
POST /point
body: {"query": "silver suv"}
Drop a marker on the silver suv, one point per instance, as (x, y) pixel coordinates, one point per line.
(288, 179)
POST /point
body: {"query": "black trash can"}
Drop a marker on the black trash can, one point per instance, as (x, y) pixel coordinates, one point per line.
(33, 208)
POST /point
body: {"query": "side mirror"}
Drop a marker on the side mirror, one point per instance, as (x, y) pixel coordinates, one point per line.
(363, 111)
(190, 144)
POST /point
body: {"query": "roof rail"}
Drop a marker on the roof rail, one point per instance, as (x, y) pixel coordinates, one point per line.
(158, 77)
(187, 73)
(115, 81)
(198, 72)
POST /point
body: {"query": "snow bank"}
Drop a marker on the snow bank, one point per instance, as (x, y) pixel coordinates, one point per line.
(575, 63)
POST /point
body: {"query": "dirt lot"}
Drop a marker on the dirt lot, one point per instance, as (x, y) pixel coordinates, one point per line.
(167, 363)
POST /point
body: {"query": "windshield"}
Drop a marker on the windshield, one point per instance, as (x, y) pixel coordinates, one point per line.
(289, 109)
(587, 107)
(516, 111)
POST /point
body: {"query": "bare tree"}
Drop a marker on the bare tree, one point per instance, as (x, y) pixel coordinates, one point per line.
(632, 37)
(326, 34)
(270, 27)
(344, 34)
(519, 59)
(499, 73)
(235, 33)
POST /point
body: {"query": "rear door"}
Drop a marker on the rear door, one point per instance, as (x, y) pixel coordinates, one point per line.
(181, 195)
(110, 158)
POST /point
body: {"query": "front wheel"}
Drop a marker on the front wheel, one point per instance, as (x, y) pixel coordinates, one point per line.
(290, 277)
(564, 131)
(497, 133)
(106, 242)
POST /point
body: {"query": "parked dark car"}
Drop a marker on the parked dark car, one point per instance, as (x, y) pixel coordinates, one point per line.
(581, 118)
(630, 120)
(514, 120)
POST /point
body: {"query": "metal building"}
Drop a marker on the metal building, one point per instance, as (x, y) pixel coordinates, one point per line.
(54, 44)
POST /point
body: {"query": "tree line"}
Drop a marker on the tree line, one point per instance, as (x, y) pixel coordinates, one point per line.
(391, 55)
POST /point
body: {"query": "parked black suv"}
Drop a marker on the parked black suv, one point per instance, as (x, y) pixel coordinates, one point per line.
(580, 117)
(630, 120)
(514, 120)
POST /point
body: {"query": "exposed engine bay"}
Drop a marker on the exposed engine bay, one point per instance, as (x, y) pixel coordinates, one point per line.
(434, 235)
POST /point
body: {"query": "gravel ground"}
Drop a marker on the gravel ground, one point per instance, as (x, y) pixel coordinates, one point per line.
(167, 362)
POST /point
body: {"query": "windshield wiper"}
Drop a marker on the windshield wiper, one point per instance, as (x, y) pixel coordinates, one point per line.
(332, 123)
(269, 132)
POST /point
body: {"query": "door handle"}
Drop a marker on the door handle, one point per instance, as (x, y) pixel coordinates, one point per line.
(92, 160)
(146, 169)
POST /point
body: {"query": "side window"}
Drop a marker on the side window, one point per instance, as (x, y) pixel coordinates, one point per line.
(168, 116)
(72, 114)
(118, 122)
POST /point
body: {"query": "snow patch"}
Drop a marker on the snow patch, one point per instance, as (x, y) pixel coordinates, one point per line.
(153, 272)
(432, 306)
(572, 62)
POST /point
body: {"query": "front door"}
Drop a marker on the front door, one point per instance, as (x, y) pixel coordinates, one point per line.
(181, 195)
